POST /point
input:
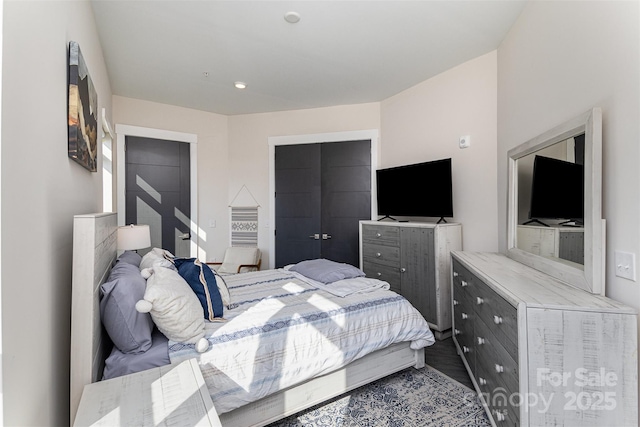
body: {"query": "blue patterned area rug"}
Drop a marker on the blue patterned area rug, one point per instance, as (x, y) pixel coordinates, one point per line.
(412, 397)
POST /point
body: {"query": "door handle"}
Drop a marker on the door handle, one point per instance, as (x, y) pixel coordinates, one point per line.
(185, 236)
(315, 236)
(326, 236)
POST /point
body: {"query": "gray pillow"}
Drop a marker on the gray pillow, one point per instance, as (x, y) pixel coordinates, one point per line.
(130, 257)
(129, 330)
(119, 363)
(326, 271)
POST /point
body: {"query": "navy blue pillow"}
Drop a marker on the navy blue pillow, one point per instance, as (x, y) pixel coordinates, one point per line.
(203, 282)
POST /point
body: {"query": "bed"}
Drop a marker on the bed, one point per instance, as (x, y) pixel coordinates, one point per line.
(241, 398)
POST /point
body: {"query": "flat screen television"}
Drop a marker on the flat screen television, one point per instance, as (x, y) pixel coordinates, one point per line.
(557, 190)
(417, 190)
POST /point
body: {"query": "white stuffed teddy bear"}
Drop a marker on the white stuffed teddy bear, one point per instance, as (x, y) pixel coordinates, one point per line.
(173, 306)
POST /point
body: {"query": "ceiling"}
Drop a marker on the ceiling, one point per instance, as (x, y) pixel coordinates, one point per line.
(190, 53)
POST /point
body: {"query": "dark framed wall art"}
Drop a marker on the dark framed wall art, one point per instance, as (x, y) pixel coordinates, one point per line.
(83, 110)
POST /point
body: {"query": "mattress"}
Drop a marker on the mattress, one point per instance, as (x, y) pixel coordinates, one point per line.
(281, 330)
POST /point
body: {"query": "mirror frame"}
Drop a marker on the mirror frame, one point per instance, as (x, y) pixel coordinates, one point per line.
(589, 277)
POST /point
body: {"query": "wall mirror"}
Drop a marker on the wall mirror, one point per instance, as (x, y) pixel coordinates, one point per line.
(554, 214)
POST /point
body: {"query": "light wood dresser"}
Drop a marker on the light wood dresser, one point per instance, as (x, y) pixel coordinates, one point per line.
(415, 259)
(539, 352)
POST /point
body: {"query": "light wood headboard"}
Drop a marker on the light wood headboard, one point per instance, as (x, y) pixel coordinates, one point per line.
(94, 251)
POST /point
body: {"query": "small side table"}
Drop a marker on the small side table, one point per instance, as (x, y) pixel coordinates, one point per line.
(166, 396)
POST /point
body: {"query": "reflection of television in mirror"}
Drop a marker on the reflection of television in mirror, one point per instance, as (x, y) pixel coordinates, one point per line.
(417, 190)
(557, 191)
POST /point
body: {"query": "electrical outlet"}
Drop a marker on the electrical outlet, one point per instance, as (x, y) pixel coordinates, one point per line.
(626, 265)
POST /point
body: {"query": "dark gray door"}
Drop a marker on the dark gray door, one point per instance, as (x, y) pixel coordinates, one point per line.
(157, 187)
(346, 198)
(297, 203)
(322, 191)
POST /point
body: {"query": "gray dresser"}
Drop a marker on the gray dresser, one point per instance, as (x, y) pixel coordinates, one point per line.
(415, 259)
(540, 352)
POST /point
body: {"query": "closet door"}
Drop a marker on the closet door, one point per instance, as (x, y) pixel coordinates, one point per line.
(346, 198)
(297, 179)
(322, 192)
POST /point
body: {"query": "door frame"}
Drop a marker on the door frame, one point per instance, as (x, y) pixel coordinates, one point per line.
(122, 131)
(371, 134)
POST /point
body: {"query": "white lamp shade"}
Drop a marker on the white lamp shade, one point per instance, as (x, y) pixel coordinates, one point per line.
(132, 237)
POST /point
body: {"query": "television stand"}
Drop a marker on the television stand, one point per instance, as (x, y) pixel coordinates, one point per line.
(537, 221)
(387, 216)
(441, 220)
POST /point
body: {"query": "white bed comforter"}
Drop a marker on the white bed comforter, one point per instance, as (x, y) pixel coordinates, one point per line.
(281, 331)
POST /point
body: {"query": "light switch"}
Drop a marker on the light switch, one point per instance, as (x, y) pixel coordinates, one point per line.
(626, 265)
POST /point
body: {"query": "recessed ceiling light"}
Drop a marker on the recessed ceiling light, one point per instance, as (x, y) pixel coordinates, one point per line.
(240, 85)
(292, 17)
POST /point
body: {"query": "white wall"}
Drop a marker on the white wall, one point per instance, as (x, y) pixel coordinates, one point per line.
(249, 149)
(560, 59)
(587, 56)
(41, 191)
(419, 124)
(233, 151)
(425, 123)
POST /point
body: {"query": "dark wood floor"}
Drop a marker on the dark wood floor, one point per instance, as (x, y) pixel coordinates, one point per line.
(443, 356)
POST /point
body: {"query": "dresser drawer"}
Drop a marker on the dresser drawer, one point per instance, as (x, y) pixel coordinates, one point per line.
(491, 353)
(460, 273)
(464, 290)
(501, 388)
(501, 316)
(379, 254)
(389, 236)
(497, 398)
(463, 295)
(463, 319)
(387, 273)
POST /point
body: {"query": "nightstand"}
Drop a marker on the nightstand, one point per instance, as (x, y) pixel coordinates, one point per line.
(168, 395)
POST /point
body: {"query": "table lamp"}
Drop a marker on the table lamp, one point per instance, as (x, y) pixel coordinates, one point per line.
(132, 237)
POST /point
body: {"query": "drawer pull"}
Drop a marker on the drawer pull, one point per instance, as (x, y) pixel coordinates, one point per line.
(456, 331)
(463, 283)
(378, 235)
(499, 368)
(464, 316)
(402, 270)
(379, 274)
(480, 340)
(465, 349)
(479, 300)
(455, 302)
(482, 381)
(455, 274)
(497, 320)
(378, 254)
